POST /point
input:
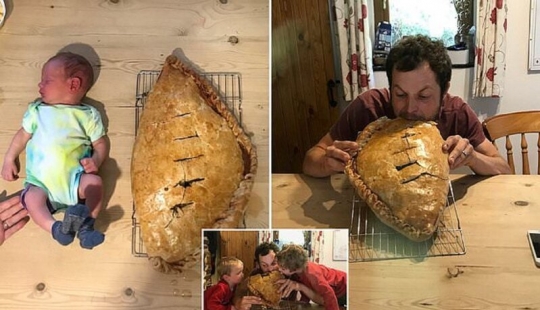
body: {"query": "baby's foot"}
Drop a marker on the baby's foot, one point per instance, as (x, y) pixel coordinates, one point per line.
(74, 218)
(58, 235)
(88, 236)
(91, 238)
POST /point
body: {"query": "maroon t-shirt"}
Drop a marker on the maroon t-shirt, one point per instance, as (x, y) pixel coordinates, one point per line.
(455, 118)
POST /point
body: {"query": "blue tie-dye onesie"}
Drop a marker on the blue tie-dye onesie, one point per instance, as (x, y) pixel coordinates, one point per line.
(61, 136)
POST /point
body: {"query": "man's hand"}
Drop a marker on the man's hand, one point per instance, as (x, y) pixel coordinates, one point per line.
(339, 153)
(328, 157)
(460, 151)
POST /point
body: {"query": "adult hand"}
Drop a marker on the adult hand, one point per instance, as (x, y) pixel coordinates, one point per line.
(328, 157)
(460, 151)
(339, 153)
(12, 217)
(247, 301)
(287, 286)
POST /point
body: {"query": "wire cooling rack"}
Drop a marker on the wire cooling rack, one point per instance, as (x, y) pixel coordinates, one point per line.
(226, 85)
(372, 240)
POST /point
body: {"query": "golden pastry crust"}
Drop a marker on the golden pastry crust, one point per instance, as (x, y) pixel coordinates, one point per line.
(192, 167)
(265, 287)
(401, 173)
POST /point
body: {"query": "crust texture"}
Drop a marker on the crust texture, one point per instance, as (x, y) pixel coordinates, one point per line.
(401, 173)
(264, 287)
(192, 167)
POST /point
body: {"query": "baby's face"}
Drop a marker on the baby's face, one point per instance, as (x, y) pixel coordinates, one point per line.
(54, 87)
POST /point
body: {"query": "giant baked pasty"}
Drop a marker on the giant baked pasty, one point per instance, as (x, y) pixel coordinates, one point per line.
(192, 167)
(401, 173)
(265, 287)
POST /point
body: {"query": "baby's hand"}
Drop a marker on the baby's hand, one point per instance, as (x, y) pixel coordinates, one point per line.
(89, 165)
(10, 171)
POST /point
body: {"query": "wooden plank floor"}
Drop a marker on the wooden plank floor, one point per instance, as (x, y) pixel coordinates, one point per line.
(123, 37)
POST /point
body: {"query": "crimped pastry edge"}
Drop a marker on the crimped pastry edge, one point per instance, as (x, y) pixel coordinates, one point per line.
(379, 207)
(231, 217)
(256, 292)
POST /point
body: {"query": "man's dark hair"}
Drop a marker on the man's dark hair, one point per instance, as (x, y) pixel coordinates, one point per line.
(412, 51)
(264, 248)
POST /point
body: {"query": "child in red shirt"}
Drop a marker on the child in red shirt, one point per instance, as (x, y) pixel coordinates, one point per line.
(219, 296)
(328, 283)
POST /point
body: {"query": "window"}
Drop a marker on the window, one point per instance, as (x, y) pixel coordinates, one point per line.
(287, 236)
(435, 18)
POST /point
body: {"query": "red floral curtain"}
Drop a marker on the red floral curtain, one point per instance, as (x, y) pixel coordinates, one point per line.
(355, 46)
(490, 65)
(317, 245)
(265, 236)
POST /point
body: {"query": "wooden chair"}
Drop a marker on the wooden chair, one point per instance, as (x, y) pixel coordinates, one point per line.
(506, 125)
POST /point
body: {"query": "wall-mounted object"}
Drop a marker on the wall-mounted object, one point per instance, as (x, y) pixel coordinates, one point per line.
(340, 246)
(534, 36)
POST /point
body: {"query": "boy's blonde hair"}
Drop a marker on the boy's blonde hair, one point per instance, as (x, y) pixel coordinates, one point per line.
(226, 264)
(292, 257)
(76, 65)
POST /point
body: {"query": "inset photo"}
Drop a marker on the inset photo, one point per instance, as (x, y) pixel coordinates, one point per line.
(275, 269)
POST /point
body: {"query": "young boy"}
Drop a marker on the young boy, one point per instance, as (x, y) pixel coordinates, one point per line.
(330, 284)
(65, 143)
(219, 296)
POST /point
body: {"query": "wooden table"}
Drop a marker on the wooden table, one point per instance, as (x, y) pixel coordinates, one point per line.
(497, 271)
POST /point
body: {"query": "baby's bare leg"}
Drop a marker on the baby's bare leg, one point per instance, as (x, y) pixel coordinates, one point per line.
(35, 200)
(91, 189)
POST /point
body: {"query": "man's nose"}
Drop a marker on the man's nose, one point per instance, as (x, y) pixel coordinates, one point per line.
(412, 106)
